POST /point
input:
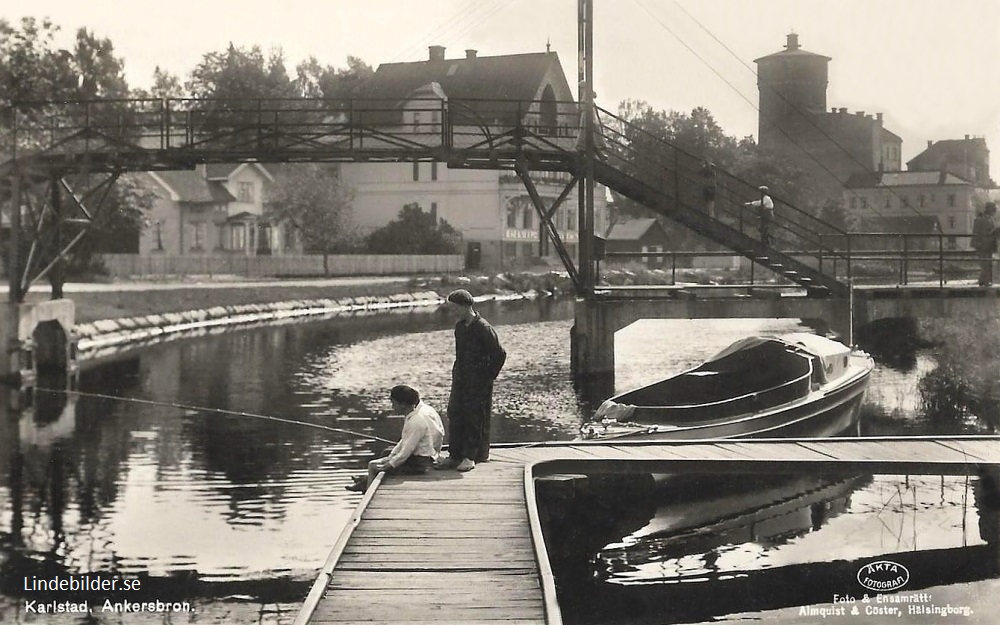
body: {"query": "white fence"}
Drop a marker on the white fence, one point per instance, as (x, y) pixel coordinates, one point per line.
(134, 265)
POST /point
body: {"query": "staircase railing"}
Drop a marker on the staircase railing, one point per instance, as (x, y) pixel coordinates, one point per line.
(677, 175)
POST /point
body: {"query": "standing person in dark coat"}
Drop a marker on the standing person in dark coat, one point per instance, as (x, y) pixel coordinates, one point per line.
(478, 360)
(708, 186)
(984, 241)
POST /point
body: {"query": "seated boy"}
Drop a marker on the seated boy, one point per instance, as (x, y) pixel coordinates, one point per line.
(419, 443)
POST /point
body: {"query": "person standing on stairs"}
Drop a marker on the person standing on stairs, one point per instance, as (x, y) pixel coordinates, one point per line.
(765, 212)
(708, 186)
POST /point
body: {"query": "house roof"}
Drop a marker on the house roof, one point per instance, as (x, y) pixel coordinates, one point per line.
(504, 77)
(950, 150)
(871, 180)
(191, 186)
(792, 49)
(631, 230)
(222, 171)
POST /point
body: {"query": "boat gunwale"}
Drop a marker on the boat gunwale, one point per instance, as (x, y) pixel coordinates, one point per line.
(844, 385)
(795, 349)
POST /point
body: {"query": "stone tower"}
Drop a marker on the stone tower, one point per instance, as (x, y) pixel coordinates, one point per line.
(791, 83)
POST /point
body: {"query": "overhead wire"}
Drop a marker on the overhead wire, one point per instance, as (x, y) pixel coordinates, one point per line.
(729, 83)
(456, 26)
(805, 114)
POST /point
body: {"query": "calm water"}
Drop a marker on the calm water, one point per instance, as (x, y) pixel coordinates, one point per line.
(238, 513)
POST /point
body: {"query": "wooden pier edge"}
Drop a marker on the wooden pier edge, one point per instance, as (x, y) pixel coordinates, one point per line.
(323, 579)
(553, 615)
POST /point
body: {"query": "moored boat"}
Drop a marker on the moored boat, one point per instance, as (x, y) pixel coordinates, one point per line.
(799, 384)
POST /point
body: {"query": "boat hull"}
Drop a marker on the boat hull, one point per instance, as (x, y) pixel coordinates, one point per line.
(819, 414)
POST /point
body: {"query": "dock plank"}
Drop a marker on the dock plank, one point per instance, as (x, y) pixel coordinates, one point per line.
(425, 546)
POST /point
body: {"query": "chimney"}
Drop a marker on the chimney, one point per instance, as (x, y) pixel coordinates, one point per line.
(843, 110)
(966, 137)
(878, 116)
(860, 113)
(470, 53)
(929, 143)
(792, 42)
(435, 53)
(833, 110)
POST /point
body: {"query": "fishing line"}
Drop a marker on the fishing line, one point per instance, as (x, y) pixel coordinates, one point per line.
(232, 413)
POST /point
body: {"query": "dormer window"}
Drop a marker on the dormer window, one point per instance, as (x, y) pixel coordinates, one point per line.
(452, 69)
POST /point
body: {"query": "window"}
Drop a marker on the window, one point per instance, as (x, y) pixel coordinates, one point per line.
(951, 222)
(416, 170)
(434, 212)
(864, 202)
(237, 237)
(652, 248)
(853, 203)
(905, 201)
(159, 234)
(198, 239)
(511, 217)
(528, 223)
(888, 202)
(245, 192)
(416, 121)
(921, 200)
(526, 249)
(434, 170)
(510, 250)
(571, 219)
(951, 199)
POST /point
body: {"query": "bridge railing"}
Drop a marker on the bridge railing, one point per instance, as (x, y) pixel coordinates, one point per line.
(303, 128)
(680, 175)
(891, 258)
(910, 257)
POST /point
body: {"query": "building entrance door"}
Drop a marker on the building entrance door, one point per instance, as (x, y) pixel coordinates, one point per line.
(473, 255)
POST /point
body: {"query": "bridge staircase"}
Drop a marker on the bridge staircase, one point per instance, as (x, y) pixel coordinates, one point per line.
(660, 176)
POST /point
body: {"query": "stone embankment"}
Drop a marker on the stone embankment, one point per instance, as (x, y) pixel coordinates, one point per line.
(108, 335)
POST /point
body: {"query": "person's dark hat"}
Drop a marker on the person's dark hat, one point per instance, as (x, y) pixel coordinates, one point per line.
(461, 297)
(405, 394)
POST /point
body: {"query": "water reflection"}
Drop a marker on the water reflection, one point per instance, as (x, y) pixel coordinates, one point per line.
(209, 505)
(716, 545)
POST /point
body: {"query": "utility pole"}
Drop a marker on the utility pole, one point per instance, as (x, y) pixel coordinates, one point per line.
(585, 96)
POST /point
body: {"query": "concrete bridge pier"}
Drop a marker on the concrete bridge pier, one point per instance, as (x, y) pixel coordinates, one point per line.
(37, 341)
(592, 341)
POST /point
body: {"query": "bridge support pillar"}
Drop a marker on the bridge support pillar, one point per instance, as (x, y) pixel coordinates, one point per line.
(592, 350)
(37, 339)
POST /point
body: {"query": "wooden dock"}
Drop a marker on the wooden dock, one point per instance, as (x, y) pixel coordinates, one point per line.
(467, 548)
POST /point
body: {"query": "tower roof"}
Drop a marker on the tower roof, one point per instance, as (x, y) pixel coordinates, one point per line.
(792, 49)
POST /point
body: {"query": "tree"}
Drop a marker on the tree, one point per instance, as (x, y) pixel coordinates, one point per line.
(415, 232)
(314, 80)
(312, 199)
(38, 80)
(240, 74)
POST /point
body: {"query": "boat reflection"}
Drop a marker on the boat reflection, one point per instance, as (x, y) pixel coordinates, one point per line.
(717, 545)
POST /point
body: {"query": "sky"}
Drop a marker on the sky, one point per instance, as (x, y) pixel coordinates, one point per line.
(932, 67)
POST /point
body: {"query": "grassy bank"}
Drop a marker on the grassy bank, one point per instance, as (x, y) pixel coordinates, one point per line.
(964, 386)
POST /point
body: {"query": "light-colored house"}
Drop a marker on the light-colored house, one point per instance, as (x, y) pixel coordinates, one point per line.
(212, 209)
(915, 202)
(490, 208)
